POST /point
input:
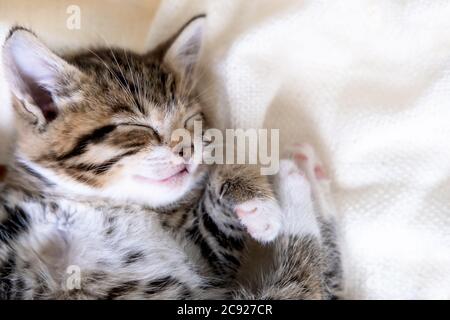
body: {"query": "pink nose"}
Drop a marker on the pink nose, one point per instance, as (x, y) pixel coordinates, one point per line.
(186, 152)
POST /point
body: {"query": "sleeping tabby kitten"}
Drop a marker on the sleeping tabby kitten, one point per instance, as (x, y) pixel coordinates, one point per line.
(100, 203)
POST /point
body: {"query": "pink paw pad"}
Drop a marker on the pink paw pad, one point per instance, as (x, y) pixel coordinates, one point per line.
(320, 172)
(242, 213)
(305, 157)
(261, 218)
(300, 157)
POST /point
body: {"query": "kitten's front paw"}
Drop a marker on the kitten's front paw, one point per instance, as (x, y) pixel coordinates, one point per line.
(261, 217)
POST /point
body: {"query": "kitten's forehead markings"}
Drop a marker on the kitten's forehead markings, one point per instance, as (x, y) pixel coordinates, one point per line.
(144, 126)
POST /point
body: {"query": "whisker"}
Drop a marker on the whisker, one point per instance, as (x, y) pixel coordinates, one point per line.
(109, 69)
(127, 88)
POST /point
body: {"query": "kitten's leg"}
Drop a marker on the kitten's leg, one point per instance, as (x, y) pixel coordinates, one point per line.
(237, 199)
(297, 270)
(299, 261)
(244, 191)
(306, 158)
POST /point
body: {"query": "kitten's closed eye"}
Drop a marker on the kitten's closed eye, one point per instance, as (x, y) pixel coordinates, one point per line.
(190, 121)
(152, 130)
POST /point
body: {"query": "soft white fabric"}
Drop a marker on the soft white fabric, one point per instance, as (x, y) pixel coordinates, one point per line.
(6, 118)
(368, 83)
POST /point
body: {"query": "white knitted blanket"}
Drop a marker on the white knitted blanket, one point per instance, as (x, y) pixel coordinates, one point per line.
(368, 83)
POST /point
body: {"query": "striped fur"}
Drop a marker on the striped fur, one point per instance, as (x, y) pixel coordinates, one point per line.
(86, 211)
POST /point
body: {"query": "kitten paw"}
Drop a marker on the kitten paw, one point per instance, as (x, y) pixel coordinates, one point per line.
(308, 162)
(294, 193)
(262, 218)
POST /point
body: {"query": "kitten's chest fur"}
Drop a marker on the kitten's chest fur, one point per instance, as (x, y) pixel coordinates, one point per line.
(110, 244)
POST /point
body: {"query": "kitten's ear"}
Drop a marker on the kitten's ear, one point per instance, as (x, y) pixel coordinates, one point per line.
(34, 74)
(183, 50)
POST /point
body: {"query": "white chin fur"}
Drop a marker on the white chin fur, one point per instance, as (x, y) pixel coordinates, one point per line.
(135, 191)
(128, 189)
(148, 193)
